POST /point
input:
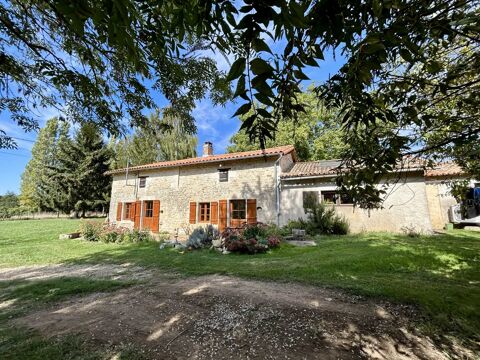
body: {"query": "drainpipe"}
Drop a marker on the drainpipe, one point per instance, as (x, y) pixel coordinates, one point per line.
(277, 190)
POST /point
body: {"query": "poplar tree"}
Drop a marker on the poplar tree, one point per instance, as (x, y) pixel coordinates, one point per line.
(43, 154)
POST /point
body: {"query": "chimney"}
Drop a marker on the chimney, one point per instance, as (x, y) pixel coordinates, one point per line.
(207, 148)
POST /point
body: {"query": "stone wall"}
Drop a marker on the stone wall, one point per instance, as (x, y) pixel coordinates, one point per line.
(406, 206)
(177, 187)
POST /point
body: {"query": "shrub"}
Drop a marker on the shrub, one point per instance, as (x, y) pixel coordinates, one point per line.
(321, 220)
(411, 231)
(340, 226)
(202, 237)
(250, 239)
(295, 224)
(91, 230)
(274, 241)
(108, 233)
(272, 229)
(136, 236)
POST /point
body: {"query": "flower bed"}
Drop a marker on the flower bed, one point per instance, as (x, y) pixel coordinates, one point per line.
(108, 233)
(251, 238)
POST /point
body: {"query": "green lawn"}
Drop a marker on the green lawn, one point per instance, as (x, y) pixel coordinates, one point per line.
(440, 274)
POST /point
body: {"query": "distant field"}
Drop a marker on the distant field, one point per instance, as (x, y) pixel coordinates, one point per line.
(439, 273)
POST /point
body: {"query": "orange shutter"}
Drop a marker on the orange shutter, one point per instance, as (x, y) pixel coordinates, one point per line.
(131, 216)
(156, 215)
(222, 215)
(193, 212)
(251, 211)
(138, 210)
(119, 211)
(214, 212)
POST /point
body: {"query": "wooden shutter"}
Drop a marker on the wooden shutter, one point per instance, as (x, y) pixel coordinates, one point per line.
(138, 211)
(119, 211)
(222, 215)
(156, 215)
(251, 211)
(193, 212)
(214, 212)
(131, 216)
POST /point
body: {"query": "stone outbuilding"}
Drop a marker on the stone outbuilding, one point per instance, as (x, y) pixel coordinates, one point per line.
(269, 186)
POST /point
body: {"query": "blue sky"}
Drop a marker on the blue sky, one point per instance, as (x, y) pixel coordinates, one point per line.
(214, 123)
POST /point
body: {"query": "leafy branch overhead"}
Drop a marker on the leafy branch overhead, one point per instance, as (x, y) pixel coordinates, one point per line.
(405, 62)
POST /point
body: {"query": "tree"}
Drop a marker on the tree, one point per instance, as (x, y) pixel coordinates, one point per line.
(9, 204)
(163, 138)
(53, 188)
(122, 47)
(315, 133)
(43, 155)
(78, 182)
(102, 61)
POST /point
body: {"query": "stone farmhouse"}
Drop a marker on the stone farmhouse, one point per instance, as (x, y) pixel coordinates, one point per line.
(269, 186)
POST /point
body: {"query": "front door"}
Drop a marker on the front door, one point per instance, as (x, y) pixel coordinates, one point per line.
(151, 215)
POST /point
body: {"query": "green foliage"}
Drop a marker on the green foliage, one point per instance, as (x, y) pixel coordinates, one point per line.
(43, 155)
(202, 237)
(316, 133)
(9, 205)
(250, 239)
(67, 174)
(402, 58)
(162, 138)
(99, 60)
(96, 231)
(321, 219)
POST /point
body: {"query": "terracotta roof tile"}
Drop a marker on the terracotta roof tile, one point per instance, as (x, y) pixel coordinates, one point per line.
(445, 169)
(280, 150)
(312, 168)
(328, 168)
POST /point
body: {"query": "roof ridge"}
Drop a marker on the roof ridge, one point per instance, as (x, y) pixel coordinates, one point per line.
(283, 149)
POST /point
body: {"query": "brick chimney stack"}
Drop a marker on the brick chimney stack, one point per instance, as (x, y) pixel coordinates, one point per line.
(207, 148)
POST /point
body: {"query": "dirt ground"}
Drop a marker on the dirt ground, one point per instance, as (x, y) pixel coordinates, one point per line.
(219, 317)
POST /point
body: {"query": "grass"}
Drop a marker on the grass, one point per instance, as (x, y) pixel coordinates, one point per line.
(21, 296)
(440, 274)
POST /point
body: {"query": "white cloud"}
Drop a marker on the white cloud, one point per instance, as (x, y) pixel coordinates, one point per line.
(215, 124)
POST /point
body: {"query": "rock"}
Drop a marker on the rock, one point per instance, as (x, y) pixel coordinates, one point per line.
(472, 228)
(216, 243)
(301, 242)
(298, 232)
(74, 235)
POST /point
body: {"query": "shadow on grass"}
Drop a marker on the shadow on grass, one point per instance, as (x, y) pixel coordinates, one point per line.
(439, 273)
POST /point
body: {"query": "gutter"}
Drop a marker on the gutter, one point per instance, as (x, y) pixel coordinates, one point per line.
(277, 189)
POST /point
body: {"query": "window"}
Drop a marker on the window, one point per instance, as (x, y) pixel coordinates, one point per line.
(238, 209)
(310, 199)
(333, 197)
(345, 199)
(142, 182)
(127, 211)
(329, 197)
(204, 212)
(223, 175)
(148, 209)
